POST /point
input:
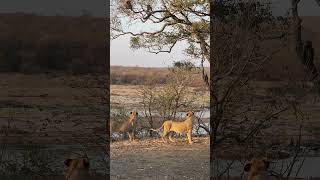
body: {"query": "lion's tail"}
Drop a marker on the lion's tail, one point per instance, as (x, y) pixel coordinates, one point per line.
(157, 129)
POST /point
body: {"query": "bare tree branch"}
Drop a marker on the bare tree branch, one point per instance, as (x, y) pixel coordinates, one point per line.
(145, 33)
(304, 52)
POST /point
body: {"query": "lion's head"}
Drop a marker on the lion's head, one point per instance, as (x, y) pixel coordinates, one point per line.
(77, 168)
(257, 165)
(190, 114)
(133, 116)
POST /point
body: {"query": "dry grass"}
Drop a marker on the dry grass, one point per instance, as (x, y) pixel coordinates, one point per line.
(128, 96)
(53, 110)
(32, 101)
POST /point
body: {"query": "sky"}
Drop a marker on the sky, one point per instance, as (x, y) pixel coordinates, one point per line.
(121, 54)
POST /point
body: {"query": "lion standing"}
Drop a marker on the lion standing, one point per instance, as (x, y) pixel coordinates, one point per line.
(129, 125)
(178, 127)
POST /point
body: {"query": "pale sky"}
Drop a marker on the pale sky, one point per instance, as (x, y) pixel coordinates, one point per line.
(123, 55)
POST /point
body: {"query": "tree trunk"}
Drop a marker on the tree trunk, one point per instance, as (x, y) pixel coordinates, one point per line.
(212, 91)
(304, 50)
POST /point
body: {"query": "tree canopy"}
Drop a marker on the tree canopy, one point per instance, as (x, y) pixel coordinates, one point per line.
(163, 24)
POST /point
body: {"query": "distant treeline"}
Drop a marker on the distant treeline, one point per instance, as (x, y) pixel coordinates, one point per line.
(35, 44)
(122, 75)
(138, 75)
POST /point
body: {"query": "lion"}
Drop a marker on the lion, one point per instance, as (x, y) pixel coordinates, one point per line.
(78, 168)
(257, 169)
(178, 127)
(129, 125)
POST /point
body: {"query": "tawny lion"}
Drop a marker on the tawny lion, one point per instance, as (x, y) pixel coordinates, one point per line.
(257, 169)
(178, 127)
(78, 169)
(129, 125)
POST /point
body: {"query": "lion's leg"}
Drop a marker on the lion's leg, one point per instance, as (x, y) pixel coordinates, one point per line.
(133, 135)
(164, 134)
(189, 134)
(130, 136)
(170, 138)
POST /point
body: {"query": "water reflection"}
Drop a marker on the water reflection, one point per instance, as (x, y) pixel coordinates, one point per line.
(309, 166)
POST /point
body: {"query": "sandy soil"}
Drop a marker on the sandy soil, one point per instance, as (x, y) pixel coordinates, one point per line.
(128, 96)
(153, 159)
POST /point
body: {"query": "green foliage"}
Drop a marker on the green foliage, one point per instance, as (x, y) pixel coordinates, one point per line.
(183, 65)
(135, 43)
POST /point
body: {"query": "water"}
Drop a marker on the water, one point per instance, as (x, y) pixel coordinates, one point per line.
(56, 155)
(310, 167)
(144, 133)
(203, 115)
(201, 131)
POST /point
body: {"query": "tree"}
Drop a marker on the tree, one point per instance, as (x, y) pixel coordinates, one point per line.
(148, 102)
(240, 32)
(167, 23)
(175, 96)
(304, 49)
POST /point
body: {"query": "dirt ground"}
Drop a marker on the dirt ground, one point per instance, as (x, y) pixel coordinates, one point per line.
(50, 109)
(153, 159)
(55, 114)
(129, 96)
